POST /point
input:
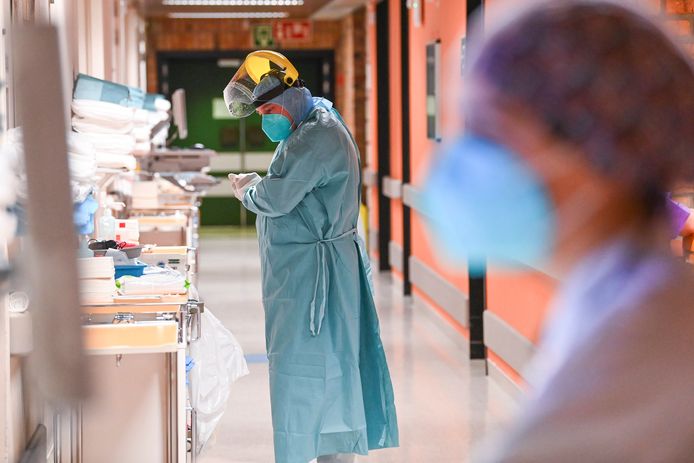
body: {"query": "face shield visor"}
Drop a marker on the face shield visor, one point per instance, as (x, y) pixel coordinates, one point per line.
(241, 94)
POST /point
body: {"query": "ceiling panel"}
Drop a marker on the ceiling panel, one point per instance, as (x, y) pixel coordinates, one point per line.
(156, 8)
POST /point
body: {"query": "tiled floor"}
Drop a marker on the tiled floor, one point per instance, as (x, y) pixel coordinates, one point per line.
(445, 403)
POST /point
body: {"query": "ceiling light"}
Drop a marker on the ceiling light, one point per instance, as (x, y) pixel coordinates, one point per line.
(233, 2)
(232, 15)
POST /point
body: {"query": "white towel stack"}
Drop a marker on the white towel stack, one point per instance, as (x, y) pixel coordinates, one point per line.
(109, 127)
(161, 114)
(113, 150)
(141, 131)
(155, 281)
(81, 161)
(97, 283)
(82, 158)
(144, 123)
(102, 117)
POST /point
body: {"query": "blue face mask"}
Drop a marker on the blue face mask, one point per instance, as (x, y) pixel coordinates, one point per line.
(276, 126)
(485, 204)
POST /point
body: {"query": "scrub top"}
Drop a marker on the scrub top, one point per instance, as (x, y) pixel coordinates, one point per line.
(613, 380)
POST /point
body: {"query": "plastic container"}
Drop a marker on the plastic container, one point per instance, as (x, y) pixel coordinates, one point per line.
(107, 226)
(133, 252)
(136, 270)
(174, 257)
(83, 250)
(127, 230)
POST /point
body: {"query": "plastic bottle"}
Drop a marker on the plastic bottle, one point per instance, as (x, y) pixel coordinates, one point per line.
(107, 226)
(83, 248)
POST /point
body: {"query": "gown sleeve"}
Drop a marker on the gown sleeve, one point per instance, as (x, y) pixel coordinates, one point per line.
(294, 172)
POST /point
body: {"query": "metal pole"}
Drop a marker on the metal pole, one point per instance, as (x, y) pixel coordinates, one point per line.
(76, 434)
(193, 435)
(169, 421)
(57, 440)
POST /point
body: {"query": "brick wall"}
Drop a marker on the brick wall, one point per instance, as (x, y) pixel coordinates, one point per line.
(345, 80)
(346, 37)
(680, 15)
(359, 83)
(679, 6)
(164, 34)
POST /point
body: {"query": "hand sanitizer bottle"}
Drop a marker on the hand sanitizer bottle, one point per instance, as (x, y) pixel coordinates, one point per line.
(107, 226)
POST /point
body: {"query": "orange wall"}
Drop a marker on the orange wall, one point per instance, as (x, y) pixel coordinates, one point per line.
(372, 119)
(521, 299)
(444, 21)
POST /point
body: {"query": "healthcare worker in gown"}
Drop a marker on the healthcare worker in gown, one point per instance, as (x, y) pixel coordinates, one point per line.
(580, 117)
(330, 387)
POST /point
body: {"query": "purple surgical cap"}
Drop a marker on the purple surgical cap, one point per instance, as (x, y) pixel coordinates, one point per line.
(604, 77)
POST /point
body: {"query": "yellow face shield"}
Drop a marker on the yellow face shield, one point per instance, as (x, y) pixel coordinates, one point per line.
(241, 95)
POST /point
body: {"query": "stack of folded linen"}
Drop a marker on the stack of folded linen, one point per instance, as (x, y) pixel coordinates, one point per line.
(155, 111)
(81, 158)
(101, 106)
(141, 131)
(102, 117)
(109, 127)
(97, 282)
(81, 161)
(158, 108)
(155, 281)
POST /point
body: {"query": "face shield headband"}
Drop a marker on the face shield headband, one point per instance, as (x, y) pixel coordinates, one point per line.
(241, 101)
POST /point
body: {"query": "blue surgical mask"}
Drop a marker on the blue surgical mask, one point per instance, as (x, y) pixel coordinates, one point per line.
(486, 204)
(276, 126)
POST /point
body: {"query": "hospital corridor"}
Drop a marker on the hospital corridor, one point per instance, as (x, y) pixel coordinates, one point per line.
(346, 231)
(446, 404)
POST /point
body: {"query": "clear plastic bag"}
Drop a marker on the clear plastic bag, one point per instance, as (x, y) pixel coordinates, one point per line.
(219, 361)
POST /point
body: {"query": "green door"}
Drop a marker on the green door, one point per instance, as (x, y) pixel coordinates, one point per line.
(204, 75)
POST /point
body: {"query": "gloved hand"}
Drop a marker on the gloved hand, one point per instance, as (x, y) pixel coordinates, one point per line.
(240, 183)
(234, 182)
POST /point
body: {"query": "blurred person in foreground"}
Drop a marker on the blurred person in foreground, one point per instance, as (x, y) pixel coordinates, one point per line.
(580, 117)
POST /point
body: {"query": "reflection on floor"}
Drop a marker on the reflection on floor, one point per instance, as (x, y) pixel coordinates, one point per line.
(445, 403)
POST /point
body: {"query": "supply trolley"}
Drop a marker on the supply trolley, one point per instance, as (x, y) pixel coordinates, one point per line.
(137, 349)
(172, 226)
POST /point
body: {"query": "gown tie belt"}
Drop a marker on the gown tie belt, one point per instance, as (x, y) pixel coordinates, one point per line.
(320, 289)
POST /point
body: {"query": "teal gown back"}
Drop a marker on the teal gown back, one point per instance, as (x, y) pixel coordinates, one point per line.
(329, 382)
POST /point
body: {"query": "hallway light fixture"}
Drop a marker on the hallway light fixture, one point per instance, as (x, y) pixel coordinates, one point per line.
(233, 2)
(231, 15)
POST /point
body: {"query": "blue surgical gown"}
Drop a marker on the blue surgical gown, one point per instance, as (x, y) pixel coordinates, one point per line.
(329, 382)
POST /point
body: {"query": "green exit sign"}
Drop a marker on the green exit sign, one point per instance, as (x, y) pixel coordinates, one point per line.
(262, 37)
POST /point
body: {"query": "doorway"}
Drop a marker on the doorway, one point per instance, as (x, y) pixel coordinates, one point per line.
(241, 144)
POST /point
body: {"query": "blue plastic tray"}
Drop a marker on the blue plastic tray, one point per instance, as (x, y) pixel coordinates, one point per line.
(132, 270)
